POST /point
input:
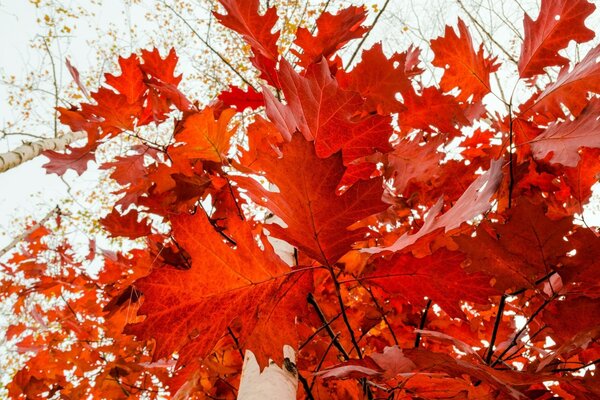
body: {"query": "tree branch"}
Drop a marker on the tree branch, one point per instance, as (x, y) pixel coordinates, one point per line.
(28, 151)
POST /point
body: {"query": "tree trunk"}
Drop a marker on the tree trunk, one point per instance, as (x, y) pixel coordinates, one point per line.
(29, 151)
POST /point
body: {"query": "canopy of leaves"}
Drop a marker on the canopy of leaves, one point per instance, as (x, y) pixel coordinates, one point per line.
(405, 270)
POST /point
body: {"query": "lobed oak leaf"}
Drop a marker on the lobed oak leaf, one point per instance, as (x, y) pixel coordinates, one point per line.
(199, 135)
(379, 79)
(159, 68)
(432, 109)
(580, 272)
(126, 225)
(189, 310)
(240, 99)
(558, 22)
(243, 17)
(333, 32)
(401, 165)
(316, 218)
(75, 158)
(463, 67)
(581, 178)
(131, 81)
(564, 139)
(327, 114)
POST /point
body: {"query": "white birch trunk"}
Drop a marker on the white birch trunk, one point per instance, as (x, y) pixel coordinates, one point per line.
(29, 151)
(273, 383)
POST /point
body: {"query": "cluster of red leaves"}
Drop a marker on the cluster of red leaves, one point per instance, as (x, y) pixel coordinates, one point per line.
(394, 291)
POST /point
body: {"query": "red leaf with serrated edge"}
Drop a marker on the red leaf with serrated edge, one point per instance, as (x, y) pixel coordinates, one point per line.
(243, 17)
(401, 165)
(559, 22)
(464, 68)
(317, 218)
(431, 109)
(333, 32)
(379, 79)
(127, 225)
(327, 114)
(418, 278)
(570, 89)
(131, 81)
(241, 100)
(74, 158)
(159, 68)
(564, 139)
(199, 135)
(189, 310)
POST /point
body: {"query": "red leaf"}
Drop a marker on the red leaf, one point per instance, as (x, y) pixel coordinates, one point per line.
(463, 68)
(570, 89)
(126, 225)
(333, 32)
(161, 69)
(131, 81)
(431, 109)
(189, 310)
(327, 114)
(317, 219)
(418, 278)
(559, 22)
(242, 16)
(474, 201)
(75, 158)
(241, 100)
(199, 135)
(564, 139)
(379, 79)
(520, 251)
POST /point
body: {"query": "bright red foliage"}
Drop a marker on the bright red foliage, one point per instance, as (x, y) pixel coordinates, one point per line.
(402, 274)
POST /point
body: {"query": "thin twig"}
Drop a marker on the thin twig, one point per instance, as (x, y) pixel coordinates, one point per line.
(488, 34)
(338, 293)
(366, 35)
(578, 368)
(223, 59)
(313, 302)
(307, 388)
(315, 333)
(236, 341)
(422, 323)
(55, 87)
(490, 351)
(382, 312)
(515, 338)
